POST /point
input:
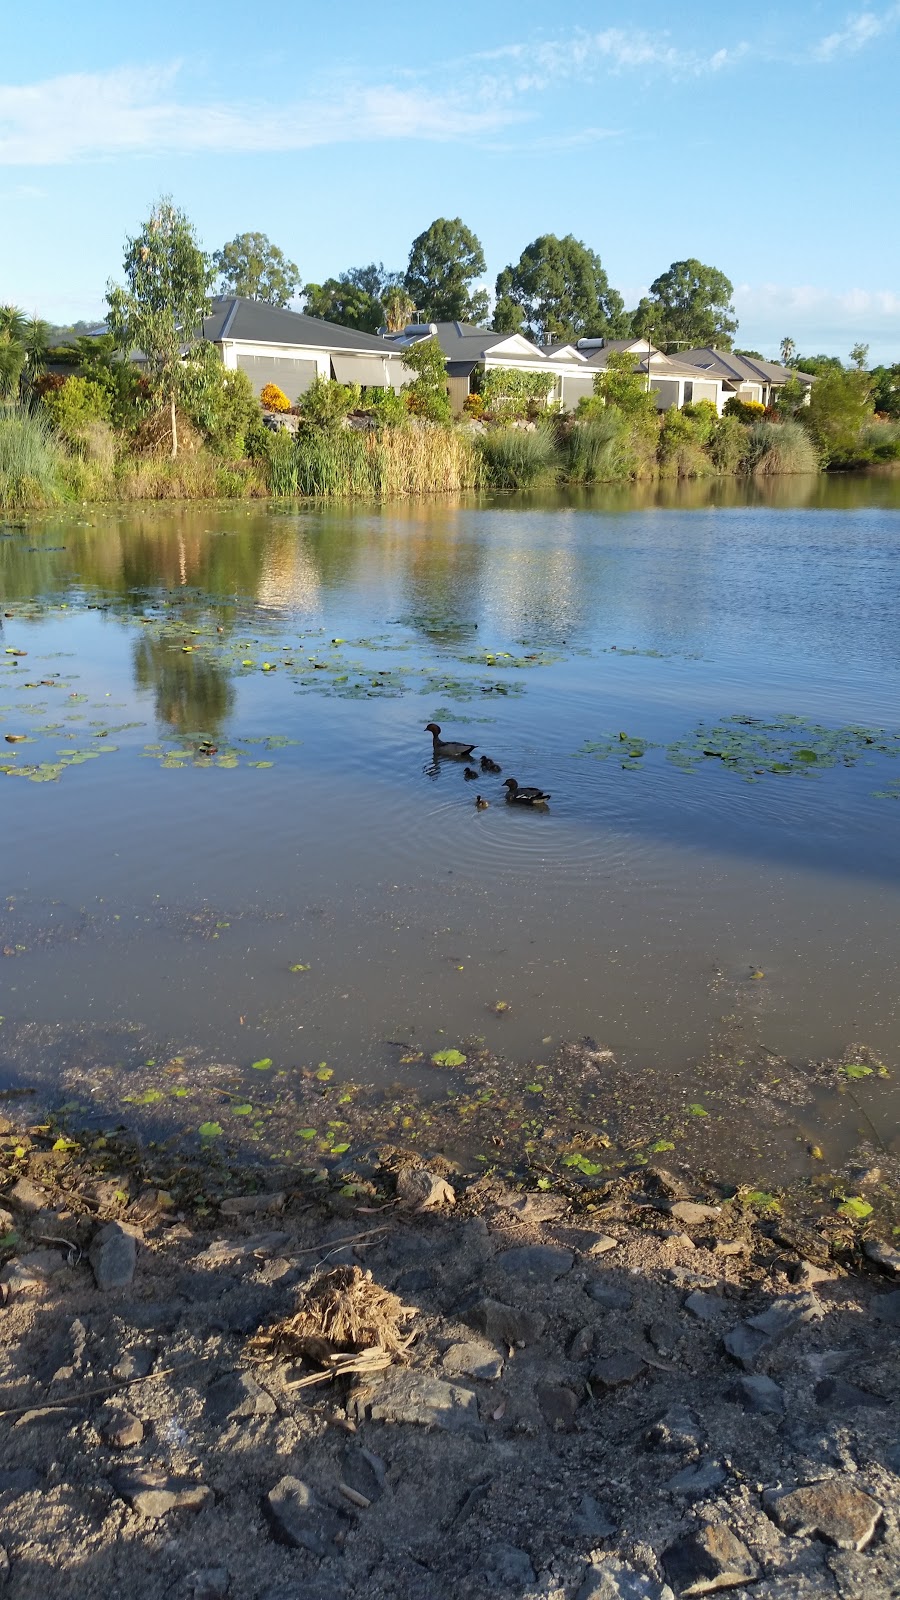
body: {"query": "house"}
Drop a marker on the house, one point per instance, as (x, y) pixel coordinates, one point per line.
(672, 380)
(292, 350)
(747, 377)
(471, 351)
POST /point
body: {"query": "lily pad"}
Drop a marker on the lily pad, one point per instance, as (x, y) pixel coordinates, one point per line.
(449, 1058)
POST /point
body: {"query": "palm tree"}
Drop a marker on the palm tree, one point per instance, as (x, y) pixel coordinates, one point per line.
(13, 354)
(399, 309)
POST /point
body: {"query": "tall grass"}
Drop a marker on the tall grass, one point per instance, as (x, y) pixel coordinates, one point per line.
(394, 463)
(783, 447)
(519, 458)
(195, 477)
(32, 460)
(600, 450)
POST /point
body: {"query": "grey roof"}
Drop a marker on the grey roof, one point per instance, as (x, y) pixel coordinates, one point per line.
(256, 322)
(741, 369)
(461, 341)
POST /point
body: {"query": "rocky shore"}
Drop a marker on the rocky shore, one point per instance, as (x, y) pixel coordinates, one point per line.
(653, 1395)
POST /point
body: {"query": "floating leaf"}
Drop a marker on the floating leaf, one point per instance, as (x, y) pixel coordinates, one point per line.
(148, 1098)
(698, 1111)
(210, 1130)
(855, 1069)
(583, 1164)
(324, 1072)
(242, 1111)
(339, 1149)
(307, 1134)
(65, 1144)
(761, 1198)
(855, 1208)
(534, 1088)
(263, 1065)
(449, 1058)
(299, 966)
(660, 1146)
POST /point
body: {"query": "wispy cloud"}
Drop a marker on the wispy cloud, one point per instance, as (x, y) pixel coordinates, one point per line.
(820, 319)
(136, 110)
(616, 50)
(860, 29)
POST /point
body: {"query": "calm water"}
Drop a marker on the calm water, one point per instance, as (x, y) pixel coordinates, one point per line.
(152, 880)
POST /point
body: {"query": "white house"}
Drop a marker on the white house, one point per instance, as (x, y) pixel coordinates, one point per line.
(748, 377)
(672, 380)
(292, 350)
(469, 350)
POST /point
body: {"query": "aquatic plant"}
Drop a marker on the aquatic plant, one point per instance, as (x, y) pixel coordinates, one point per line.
(783, 447)
(32, 460)
(600, 450)
(519, 458)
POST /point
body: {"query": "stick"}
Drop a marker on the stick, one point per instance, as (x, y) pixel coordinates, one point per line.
(106, 1388)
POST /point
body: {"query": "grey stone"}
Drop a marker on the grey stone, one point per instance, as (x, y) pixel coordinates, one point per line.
(153, 1494)
(414, 1281)
(689, 1279)
(692, 1213)
(805, 1241)
(887, 1308)
(678, 1430)
(121, 1430)
(583, 1344)
(5, 1566)
(536, 1263)
(787, 1312)
(664, 1336)
(591, 1519)
(505, 1325)
(609, 1297)
(759, 1394)
(237, 1395)
(611, 1579)
(297, 1519)
(364, 1471)
(708, 1559)
(806, 1275)
(18, 1480)
(705, 1307)
(558, 1405)
(505, 1564)
(473, 1359)
(834, 1510)
(27, 1197)
(585, 1241)
(534, 1207)
(252, 1205)
(7, 1222)
(884, 1255)
(207, 1583)
(698, 1480)
(611, 1372)
(20, 1279)
(745, 1343)
(416, 1397)
(113, 1256)
(841, 1395)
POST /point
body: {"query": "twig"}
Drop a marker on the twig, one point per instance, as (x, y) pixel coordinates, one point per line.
(106, 1388)
(352, 1238)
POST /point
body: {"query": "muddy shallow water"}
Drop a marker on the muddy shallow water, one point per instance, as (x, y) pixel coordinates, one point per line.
(225, 833)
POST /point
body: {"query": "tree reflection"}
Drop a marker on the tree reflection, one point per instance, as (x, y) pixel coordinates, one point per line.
(193, 693)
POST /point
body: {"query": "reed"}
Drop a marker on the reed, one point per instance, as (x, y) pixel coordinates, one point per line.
(600, 450)
(332, 464)
(779, 447)
(32, 460)
(519, 458)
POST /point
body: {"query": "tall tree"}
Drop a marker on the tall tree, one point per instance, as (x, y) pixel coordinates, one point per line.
(161, 311)
(559, 287)
(399, 308)
(444, 263)
(13, 354)
(859, 355)
(690, 304)
(788, 352)
(356, 298)
(254, 268)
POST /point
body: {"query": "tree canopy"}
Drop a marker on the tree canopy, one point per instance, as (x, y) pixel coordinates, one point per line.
(161, 311)
(358, 298)
(251, 266)
(689, 304)
(444, 263)
(13, 353)
(558, 286)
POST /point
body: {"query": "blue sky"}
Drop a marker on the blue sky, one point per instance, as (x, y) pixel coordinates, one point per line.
(762, 139)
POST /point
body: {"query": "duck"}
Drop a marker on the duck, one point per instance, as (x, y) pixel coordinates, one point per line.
(448, 747)
(480, 803)
(470, 774)
(487, 765)
(524, 797)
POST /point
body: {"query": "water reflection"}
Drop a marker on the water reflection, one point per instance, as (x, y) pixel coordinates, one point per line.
(192, 694)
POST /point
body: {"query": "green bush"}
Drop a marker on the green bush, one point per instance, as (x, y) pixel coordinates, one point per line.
(840, 407)
(79, 402)
(508, 395)
(779, 447)
(427, 396)
(32, 460)
(326, 403)
(744, 410)
(680, 451)
(880, 440)
(221, 404)
(727, 445)
(388, 408)
(704, 416)
(519, 458)
(600, 449)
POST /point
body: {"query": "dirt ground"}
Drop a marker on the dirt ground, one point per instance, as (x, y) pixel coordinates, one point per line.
(621, 1402)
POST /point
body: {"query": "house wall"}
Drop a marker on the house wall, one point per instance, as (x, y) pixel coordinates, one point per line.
(458, 390)
(576, 386)
(707, 390)
(295, 367)
(668, 392)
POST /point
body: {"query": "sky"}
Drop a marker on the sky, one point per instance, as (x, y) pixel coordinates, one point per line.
(763, 140)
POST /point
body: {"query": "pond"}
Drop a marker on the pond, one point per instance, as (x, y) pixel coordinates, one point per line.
(227, 842)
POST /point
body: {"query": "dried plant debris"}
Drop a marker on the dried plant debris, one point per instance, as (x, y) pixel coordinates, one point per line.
(346, 1322)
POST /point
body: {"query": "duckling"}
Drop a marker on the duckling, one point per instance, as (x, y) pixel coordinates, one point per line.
(470, 774)
(480, 803)
(487, 765)
(524, 797)
(448, 747)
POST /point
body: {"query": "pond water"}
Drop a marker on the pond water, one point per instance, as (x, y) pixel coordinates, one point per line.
(224, 831)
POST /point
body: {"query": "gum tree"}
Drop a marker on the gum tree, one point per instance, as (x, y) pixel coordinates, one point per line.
(251, 266)
(444, 262)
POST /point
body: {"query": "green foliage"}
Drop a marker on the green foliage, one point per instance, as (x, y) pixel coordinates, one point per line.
(360, 298)
(254, 268)
(519, 458)
(859, 355)
(620, 385)
(558, 286)
(728, 444)
(788, 353)
(779, 447)
(221, 404)
(31, 460)
(704, 416)
(13, 353)
(279, 453)
(398, 307)
(427, 395)
(880, 440)
(444, 262)
(680, 446)
(80, 401)
(690, 303)
(161, 311)
(839, 408)
(815, 365)
(509, 395)
(886, 390)
(327, 403)
(791, 397)
(600, 449)
(745, 410)
(388, 408)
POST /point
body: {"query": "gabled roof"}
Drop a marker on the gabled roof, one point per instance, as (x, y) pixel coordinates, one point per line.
(739, 369)
(566, 348)
(256, 322)
(463, 341)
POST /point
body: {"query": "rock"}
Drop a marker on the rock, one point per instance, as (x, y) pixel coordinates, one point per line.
(473, 1360)
(731, 1247)
(506, 1565)
(834, 1510)
(364, 1471)
(252, 1205)
(414, 1281)
(705, 1307)
(611, 1579)
(883, 1255)
(805, 1241)
(558, 1406)
(5, 1566)
(613, 1371)
(695, 1481)
(609, 1297)
(424, 1190)
(237, 1395)
(297, 1519)
(7, 1222)
(841, 1395)
(744, 1344)
(208, 1583)
(689, 1279)
(153, 1494)
(887, 1308)
(583, 1344)
(19, 1279)
(113, 1256)
(18, 1480)
(27, 1197)
(534, 1207)
(591, 1519)
(708, 1559)
(416, 1397)
(679, 1430)
(121, 1430)
(758, 1394)
(536, 1263)
(585, 1241)
(692, 1213)
(785, 1313)
(506, 1325)
(664, 1336)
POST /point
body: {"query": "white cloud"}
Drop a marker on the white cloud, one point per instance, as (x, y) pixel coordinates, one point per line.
(613, 49)
(859, 30)
(135, 110)
(819, 319)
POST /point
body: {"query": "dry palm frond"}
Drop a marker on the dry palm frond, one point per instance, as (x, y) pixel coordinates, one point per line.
(341, 1314)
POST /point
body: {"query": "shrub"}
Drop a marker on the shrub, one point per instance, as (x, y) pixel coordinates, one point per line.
(600, 449)
(620, 385)
(519, 458)
(327, 403)
(680, 446)
(32, 461)
(280, 459)
(427, 396)
(509, 395)
(272, 398)
(219, 403)
(397, 462)
(840, 407)
(880, 440)
(744, 410)
(473, 406)
(388, 408)
(48, 383)
(79, 402)
(704, 416)
(727, 445)
(780, 447)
